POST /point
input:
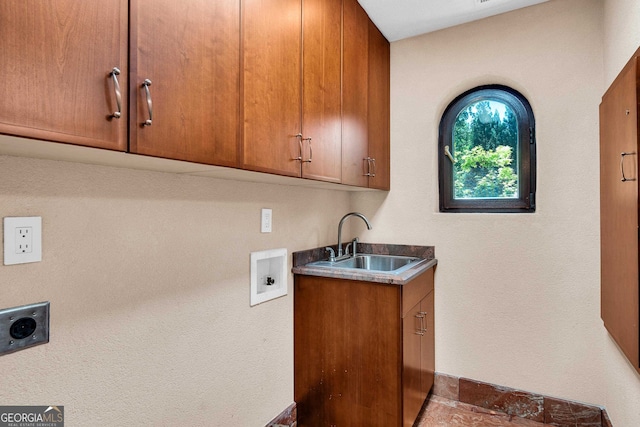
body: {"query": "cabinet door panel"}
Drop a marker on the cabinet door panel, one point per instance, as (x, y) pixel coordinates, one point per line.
(322, 78)
(412, 396)
(190, 52)
(619, 212)
(56, 62)
(379, 108)
(272, 85)
(347, 360)
(354, 94)
(427, 345)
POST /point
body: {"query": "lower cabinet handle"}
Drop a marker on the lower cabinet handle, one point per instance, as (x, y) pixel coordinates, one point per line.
(146, 85)
(116, 85)
(373, 174)
(420, 316)
(622, 156)
(423, 315)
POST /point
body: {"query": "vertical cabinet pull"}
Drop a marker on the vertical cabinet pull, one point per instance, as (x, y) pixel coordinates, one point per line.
(371, 171)
(116, 86)
(310, 151)
(146, 85)
(301, 149)
(622, 156)
(423, 316)
(421, 330)
(299, 136)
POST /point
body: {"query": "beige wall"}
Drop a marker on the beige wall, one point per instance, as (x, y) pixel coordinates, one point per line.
(148, 278)
(517, 295)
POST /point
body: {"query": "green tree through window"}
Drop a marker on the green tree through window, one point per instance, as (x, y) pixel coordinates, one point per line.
(487, 152)
(485, 141)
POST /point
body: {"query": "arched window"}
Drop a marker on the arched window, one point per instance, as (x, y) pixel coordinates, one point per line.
(487, 152)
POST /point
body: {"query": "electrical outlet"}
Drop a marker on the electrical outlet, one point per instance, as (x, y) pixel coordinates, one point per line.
(265, 223)
(22, 240)
(23, 327)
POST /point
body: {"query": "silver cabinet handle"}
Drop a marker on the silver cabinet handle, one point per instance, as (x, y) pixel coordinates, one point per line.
(622, 156)
(310, 151)
(448, 154)
(420, 316)
(373, 174)
(368, 159)
(299, 136)
(422, 320)
(116, 85)
(146, 85)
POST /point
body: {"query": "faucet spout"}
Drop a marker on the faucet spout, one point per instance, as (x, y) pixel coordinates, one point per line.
(359, 215)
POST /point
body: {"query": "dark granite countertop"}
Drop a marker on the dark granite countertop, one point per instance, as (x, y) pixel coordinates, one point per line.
(302, 258)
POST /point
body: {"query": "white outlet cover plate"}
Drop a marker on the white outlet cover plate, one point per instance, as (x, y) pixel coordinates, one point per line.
(11, 254)
(265, 220)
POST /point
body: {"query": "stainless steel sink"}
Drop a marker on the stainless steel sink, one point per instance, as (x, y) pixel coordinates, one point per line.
(390, 264)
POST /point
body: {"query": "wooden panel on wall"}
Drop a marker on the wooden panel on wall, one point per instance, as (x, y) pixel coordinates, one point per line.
(619, 212)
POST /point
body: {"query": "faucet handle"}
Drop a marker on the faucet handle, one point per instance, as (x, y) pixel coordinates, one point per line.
(332, 254)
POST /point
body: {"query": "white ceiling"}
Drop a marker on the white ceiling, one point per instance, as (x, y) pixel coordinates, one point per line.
(399, 19)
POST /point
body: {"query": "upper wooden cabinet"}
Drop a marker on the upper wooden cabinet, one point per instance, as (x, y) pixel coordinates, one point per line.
(189, 51)
(366, 101)
(355, 145)
(619, 204)
(285, 87)
(272, 86)
(378, 164)
(292, 90)
(321, 87)
(57, 58)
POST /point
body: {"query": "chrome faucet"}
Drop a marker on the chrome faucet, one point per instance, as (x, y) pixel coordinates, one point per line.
(364, 218)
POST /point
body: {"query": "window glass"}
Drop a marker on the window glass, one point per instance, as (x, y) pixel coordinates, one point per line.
(487, 152)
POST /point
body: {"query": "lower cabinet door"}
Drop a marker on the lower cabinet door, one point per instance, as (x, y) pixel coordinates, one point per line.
(412, 395)
(427, 345)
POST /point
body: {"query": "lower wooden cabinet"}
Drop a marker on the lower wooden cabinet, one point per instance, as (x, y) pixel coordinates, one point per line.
(363, 351)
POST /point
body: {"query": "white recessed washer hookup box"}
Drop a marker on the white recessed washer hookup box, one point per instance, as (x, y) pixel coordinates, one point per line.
(268, 275)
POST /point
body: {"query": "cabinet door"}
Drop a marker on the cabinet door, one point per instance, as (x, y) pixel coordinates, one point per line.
(56, 61)
(355, 148)
(322, 73)
(412, 395)
(427, 345)
(619, 211)
(189, 51)
(347, 359)
(379, 109)
(272, 85)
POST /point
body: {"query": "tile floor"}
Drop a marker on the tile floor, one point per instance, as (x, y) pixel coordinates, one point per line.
(441, 412)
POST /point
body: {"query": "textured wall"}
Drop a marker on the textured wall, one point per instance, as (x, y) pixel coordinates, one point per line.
(517, 295)
(148, 278)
